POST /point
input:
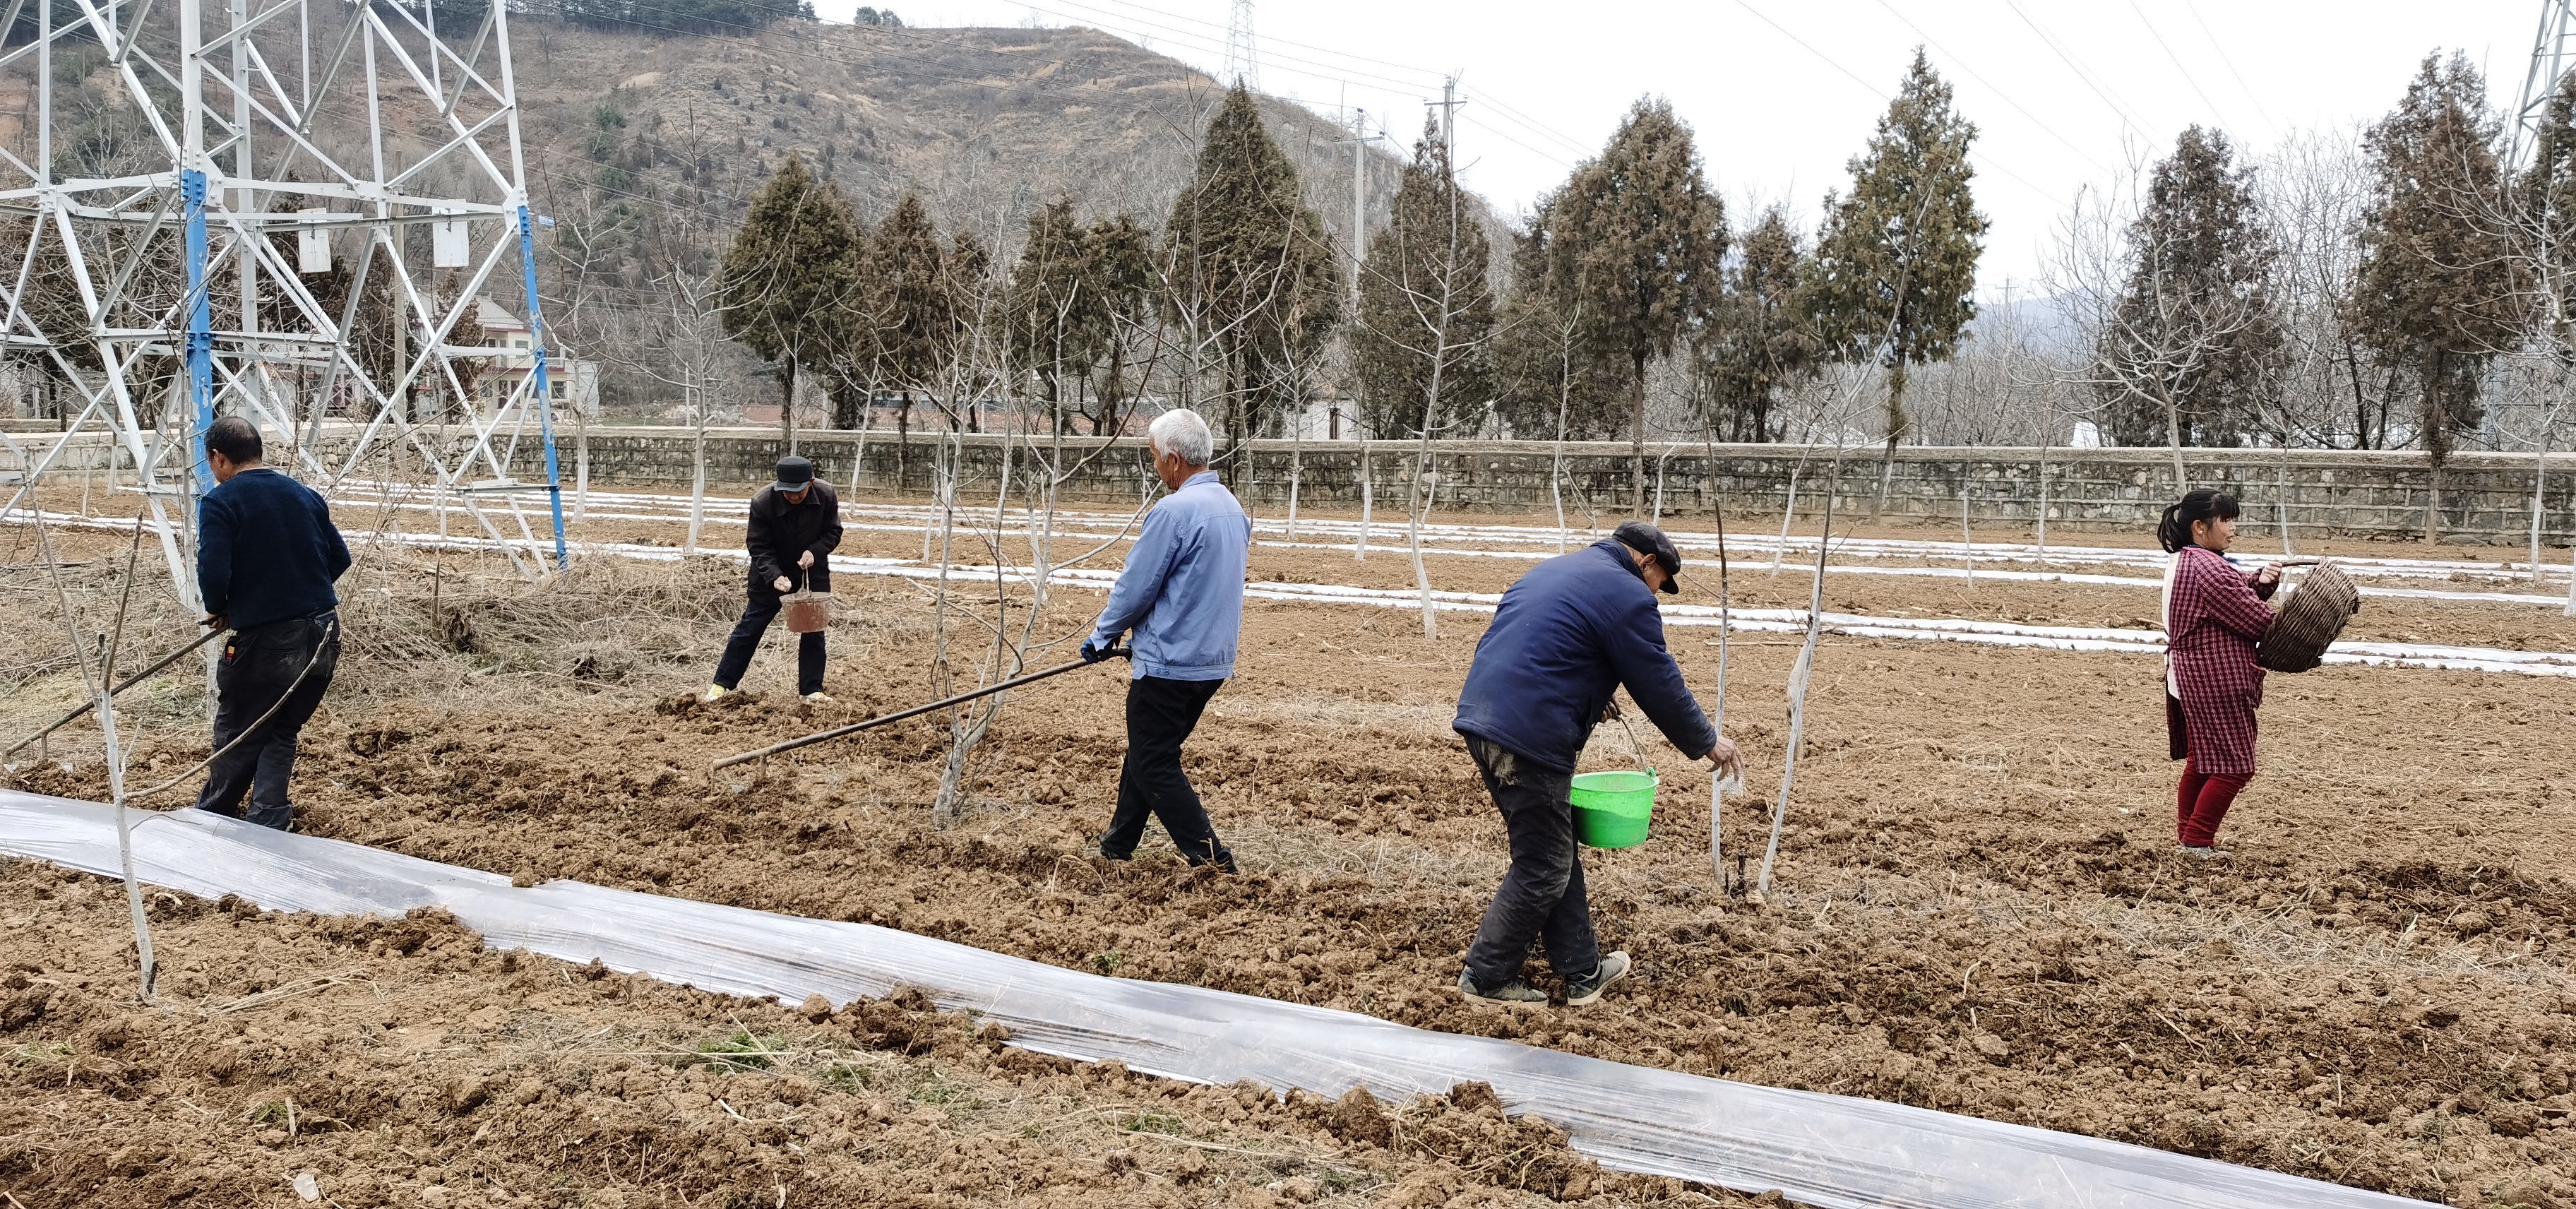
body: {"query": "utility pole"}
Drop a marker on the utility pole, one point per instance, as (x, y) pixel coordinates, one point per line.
(1358, 236)
(1448, 105)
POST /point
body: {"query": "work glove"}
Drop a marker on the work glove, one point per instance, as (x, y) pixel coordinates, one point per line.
(1094, 652)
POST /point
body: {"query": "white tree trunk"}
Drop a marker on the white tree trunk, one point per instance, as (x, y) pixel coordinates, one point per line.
(2043, 503)
(697, 483)
(1296, 472)
(1556, 487)
(859, 459)
(1368, 503)
(1798, 692)
(1788, 511)
(1967, 537)
(2281, 505)
(2539, 481)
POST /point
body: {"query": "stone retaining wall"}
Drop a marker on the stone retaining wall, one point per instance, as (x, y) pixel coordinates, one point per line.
(2486, 497)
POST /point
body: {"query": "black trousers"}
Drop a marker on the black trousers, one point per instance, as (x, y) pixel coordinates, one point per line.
(1542, 897)
(1160, 715)
(757, 611)
(254, 675)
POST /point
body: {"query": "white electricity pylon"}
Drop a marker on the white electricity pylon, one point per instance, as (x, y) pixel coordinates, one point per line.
(1242, 65)
(2553, 51)
(197, 171)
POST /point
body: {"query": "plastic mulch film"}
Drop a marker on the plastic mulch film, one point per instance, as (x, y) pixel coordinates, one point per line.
(1820, 1149)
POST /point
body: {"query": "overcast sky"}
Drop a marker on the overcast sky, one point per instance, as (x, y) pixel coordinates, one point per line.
(1783, 94)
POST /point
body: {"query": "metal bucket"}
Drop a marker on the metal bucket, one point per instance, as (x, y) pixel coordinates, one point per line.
(806, 611)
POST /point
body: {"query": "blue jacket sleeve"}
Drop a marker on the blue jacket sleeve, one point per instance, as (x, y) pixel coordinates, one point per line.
(335, 549)
(1636, 641)
(1142, 581)
(215, 553)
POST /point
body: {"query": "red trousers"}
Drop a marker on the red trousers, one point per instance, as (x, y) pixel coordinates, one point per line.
(2201, 801)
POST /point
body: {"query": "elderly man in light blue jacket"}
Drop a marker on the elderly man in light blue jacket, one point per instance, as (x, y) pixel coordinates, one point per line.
(1182, 594)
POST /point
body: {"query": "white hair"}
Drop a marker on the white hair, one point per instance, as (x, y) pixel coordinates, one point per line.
(1182, 432)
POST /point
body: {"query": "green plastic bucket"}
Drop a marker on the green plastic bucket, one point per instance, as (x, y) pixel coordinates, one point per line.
(1611, 808)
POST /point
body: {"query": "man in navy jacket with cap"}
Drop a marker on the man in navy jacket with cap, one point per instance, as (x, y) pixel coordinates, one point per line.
(1564, 639)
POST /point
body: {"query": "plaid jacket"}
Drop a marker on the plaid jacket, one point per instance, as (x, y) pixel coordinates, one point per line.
(2211, 626)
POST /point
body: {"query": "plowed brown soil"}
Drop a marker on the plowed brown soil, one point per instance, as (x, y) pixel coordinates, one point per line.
(1977, 906)
(399, 1063)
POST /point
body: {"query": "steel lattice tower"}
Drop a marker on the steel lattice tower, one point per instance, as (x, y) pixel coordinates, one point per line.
(2553, 51)
(1240, 64)
(195, 172)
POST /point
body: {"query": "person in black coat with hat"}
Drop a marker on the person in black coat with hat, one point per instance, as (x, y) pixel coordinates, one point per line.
(795, 526)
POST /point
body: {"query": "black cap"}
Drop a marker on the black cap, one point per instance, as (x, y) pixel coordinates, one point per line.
(1647, 539)
(793, 474)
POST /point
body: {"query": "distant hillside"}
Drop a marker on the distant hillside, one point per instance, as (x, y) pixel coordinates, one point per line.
(634, 138)
(986, 122)
(645, 146)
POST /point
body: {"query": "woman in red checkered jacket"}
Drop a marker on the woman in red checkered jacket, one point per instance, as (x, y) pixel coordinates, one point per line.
(2213, 614)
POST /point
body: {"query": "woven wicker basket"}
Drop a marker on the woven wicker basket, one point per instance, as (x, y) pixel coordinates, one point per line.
(2309, 622)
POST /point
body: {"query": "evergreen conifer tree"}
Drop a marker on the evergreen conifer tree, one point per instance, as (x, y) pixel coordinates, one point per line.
(1118, 261)
(1426, 312)
(2435, 296)
(1896, 266)
(1758, 342)
(914, 321)
(1052, 313)
(2192, 347)
(2546, 213)
(1636, 243)
(1550, 377)
(792, 274)
(1252, 273)
(965, 281)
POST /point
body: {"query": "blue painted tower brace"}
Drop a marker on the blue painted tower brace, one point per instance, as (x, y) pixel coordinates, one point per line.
(545, 399)
(201, 351)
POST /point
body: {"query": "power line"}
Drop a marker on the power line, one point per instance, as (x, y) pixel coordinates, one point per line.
(1874, 90)
(2000, 94)
(1324, 71)
(2080, 73)
(2187, 77)
(2241, 85)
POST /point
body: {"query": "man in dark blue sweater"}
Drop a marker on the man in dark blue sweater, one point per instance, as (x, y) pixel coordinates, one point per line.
(1564, 639)
(267, 554)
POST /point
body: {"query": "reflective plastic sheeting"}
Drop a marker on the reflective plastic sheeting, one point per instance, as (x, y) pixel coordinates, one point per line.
(1820, 1149)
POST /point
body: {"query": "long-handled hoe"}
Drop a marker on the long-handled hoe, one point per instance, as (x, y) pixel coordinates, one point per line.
(836, 732)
